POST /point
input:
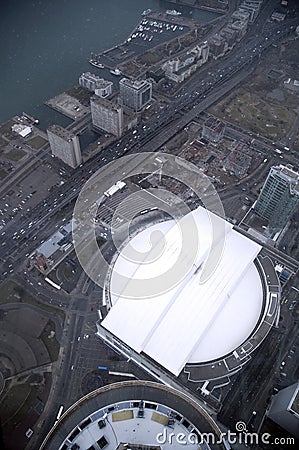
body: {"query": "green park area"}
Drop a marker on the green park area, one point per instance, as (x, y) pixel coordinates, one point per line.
(81, 94)
(37, 142)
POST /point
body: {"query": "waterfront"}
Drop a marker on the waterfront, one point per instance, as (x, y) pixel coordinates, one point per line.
(47, 45)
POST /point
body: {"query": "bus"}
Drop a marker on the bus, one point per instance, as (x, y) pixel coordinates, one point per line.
(56, 286)
(60, 411)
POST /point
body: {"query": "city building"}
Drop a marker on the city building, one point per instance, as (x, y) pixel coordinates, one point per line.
(230, 35)
(107, 116)
(218, 46)
(240, 15)
(21, 130)
(238, 160)
(65, 145)
(239, 27)
(180, 68)
(104, 90)
(292, 85)
(184, 333)
(279, 197)
(94, 83)
(135, 94)
(278, 17)
(284, 409)
(155, 73)
(213, 129)
(136, 415)
(252, 7)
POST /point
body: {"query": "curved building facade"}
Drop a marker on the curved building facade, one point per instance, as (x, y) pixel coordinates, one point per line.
(137, 415)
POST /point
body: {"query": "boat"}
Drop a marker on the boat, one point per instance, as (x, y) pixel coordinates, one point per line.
(146, 11)
(95, 63)
(30, 118)
(173, 12)
(115, 71)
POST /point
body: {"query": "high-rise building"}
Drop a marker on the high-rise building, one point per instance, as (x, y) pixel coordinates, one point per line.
(135, 94)
(94, 83)
(279, 196)
(65, 145)
(107, 116)
(284, 409)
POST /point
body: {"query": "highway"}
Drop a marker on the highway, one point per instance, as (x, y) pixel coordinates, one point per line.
(197, 94)
(205, 88)
(159, 129)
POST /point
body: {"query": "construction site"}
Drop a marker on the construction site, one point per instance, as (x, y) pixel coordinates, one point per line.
(209, 145)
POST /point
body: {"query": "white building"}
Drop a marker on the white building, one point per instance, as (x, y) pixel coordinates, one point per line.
(21, 130)
(178, 69)
(94, 83)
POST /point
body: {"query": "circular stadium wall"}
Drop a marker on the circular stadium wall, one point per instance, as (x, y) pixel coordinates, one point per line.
(137, 415)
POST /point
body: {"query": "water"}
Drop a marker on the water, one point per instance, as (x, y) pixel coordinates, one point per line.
(46, 45)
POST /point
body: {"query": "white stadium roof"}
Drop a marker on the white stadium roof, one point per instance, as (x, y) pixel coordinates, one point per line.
(193, 321)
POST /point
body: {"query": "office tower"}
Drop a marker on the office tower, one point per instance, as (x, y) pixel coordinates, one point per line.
(284, 409)
(279, 197)
(135, 94)
(65, 145)
(107, 116)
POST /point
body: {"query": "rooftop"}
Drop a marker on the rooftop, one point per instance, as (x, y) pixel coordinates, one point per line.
(190, 316)
(294, 404)
(135, 84)
(133, 412)
(290, 175)
(61, 132)
(105, 103)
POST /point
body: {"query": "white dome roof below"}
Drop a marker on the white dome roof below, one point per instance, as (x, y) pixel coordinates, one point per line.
(198, 293)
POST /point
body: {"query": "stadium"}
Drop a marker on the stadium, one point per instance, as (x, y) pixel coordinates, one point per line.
(136, 415)
(193, 329)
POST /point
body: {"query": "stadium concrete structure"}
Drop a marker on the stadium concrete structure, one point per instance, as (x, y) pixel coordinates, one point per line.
(136, 415)
(194, 332)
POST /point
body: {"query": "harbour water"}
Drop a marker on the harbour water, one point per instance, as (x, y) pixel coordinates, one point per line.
(46, 45)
